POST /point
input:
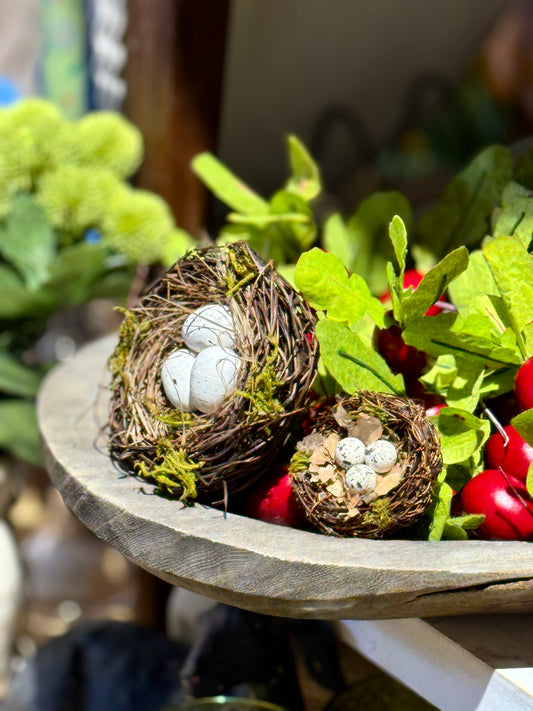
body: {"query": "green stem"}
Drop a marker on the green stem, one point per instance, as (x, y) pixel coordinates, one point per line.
(371, 370)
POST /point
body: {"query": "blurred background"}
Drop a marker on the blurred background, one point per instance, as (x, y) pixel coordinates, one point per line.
(385, 94)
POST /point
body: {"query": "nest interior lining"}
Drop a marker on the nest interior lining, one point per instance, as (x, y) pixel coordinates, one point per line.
(405, 423)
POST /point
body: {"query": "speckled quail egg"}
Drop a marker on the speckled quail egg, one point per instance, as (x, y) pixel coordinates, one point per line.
(349, 451)
(213, 377)
(176, 378)
(209, 325)
(381, 456)
(361, 478)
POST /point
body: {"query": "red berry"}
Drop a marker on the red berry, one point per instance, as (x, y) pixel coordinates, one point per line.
(275, 502)
(504, 501)
(513, 459)
(434, 410)
(523, 385)
(400, 357)
(411, 278)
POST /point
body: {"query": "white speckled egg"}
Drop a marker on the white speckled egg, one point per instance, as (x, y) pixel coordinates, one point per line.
(213, 377)
(209, 325)
(349, 451)
(381, 456)
(361, 478)
(176, 378)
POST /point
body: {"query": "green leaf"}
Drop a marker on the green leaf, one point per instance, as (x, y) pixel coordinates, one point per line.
(73, 274)
(515, 216)
(469, 337)
(337, 240)
(464, 391)
(511, 266)
(15, 298)
(461, 434)
(226, 186)
(398, 237)
(264, 220)
(369, 230)
(354, 364)
(27, 241)
(19, 434)
(324, 283)
(305, 180)
(441, 510)
(462, 215)
(475, 281)
(434, 284)
(17, 379)
(523, 424)
(529, 480)
(300, 233)
(456, 528)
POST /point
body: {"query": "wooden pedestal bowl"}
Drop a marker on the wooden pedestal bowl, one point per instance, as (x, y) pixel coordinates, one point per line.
(248, 563)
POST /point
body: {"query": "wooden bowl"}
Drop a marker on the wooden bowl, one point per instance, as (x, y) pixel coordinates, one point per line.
(248, 563)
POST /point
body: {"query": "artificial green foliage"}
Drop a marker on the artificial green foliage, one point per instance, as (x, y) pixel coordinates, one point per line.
(71, 229)
(462, 215)
(103, 139)
(77, 198)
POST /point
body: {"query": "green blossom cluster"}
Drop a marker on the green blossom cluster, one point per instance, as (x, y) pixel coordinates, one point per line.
(76, 172)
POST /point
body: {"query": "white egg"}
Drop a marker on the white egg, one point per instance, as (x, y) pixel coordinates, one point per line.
(381, 456)
(176, 378)
(349, 451)
(361, 478)
(213, 377)
(209, 325)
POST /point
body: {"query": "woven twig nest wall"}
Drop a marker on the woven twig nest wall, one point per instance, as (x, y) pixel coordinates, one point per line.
(400, 496)
(189, 454)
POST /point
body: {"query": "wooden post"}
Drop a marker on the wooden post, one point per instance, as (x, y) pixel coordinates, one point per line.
(174, 76)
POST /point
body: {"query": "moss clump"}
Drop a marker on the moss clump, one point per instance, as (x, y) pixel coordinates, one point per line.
(240, 271)
(261, 388)
(172, 471)
(380, 514)
(171, 416)
(129, 328)
(299, 462)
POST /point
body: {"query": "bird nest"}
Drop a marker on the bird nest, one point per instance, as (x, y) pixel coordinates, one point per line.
(400, 496)
(192, 455)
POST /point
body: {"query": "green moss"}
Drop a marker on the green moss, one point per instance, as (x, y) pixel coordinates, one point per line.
(172, 471)
(128, 331)
(240, 270)
(261, 388)
(380, 514)
(299, 462)
(171, 416)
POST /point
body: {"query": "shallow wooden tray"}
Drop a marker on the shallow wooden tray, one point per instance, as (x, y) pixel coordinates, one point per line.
(248, 563)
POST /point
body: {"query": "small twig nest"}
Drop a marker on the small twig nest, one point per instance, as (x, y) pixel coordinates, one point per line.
(400, 496)
(190, 455)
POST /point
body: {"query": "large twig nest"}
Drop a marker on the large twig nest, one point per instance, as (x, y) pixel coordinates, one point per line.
(190, 454)
(398, 498)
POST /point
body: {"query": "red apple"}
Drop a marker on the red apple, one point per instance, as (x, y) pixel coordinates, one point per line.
(274, 501)
(504, 501)
(523, 385)
(514, 459)
(401, 358)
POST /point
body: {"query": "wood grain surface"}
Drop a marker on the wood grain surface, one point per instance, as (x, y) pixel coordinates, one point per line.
(248, 563)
